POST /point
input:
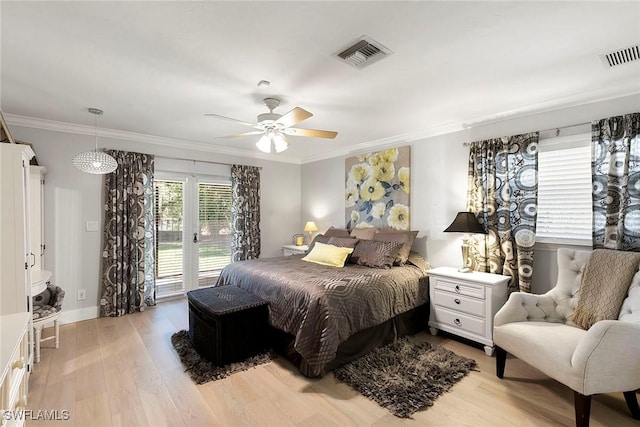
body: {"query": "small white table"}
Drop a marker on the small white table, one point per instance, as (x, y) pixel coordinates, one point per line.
(464, 304)
(288, 250)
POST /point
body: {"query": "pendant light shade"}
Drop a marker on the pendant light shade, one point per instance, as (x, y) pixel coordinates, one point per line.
(96, 162)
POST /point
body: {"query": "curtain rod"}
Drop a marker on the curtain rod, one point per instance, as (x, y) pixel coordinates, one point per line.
(556, 129)
(200, 161)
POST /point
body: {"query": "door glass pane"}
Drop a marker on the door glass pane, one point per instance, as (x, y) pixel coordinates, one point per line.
(214, 222)
(169, 242)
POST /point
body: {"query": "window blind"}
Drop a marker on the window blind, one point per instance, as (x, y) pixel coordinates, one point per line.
(214, 204)
(564, 190)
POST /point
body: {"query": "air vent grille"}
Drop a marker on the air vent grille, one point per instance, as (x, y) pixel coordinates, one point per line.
(621, 56)
(362, 52)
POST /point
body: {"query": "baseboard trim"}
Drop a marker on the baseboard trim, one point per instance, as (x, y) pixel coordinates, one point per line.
(80, 314)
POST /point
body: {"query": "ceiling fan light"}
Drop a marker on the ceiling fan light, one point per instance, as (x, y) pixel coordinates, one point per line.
(280, 143)
(264, 144)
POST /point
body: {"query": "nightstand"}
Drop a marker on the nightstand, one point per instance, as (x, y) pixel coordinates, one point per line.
(464, 304)
(288, 250)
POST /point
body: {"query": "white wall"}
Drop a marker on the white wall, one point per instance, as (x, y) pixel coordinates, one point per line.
(439, 183)
(73, 197)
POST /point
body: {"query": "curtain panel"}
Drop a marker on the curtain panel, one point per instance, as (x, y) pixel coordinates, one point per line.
(615, 169)
(128, 268)
(245, 212)
(503, 193)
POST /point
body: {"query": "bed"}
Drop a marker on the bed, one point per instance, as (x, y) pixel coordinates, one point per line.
(333, 315)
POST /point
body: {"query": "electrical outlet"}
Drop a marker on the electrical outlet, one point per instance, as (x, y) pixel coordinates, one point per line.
(82, 294)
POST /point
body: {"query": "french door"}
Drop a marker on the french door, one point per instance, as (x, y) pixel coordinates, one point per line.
(193, 231)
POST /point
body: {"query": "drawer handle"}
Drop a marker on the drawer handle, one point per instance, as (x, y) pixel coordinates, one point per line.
(457, 322)
(458, 288)
(457, 301)
(18, 364)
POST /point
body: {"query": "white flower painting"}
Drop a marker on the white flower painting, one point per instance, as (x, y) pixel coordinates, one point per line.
(377, 189)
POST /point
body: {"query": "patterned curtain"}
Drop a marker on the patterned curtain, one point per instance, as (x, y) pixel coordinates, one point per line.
(503, 192)
(615, 169)
(128, 271)
(245, 212)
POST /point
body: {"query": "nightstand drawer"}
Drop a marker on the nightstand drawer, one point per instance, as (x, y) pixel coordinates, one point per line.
(459, 321)
(467, 289)
(459, 303)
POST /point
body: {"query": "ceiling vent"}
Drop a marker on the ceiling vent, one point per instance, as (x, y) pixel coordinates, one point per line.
(363, 52)
(622, 56)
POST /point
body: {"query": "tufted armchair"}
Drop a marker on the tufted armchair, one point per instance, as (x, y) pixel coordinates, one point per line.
(46, 309)
(538, 330)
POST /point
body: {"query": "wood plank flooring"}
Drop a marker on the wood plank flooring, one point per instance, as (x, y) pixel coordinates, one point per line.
(124, 372)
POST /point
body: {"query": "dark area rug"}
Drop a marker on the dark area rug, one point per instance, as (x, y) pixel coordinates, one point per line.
(201, 370)
(405, 376)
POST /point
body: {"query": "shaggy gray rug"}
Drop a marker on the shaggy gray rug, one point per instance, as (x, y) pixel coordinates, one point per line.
(405, 376)
(201, 370)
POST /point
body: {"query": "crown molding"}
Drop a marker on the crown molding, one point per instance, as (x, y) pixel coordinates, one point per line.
(55, 126)
(622, 89)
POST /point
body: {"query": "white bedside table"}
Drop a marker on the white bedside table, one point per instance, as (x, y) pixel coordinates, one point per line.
(288, 250)
(464, 304)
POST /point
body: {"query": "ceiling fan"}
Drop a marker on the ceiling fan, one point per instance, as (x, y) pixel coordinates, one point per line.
(274, 127)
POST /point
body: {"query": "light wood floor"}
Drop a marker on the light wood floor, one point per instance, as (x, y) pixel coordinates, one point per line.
(124, 372)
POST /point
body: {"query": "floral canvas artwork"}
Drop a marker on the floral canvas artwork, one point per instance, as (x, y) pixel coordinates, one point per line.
(377, 189)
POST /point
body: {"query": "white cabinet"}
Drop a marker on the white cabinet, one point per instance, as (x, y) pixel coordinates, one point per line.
(464, 304)
(14, 376)
(36, 215)
(14, 229)
(16, 330)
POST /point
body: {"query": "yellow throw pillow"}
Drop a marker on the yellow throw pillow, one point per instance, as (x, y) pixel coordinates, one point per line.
(323, 254)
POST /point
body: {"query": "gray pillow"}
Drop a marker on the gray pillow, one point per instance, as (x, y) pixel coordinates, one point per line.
(375, 254)
(337, 232)
(363, 233)
(343, 242)
(404, 237)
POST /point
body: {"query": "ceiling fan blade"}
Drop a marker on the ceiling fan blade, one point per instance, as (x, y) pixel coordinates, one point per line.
(294, 116)
(218, 116)
(255, 132)
(310, 132)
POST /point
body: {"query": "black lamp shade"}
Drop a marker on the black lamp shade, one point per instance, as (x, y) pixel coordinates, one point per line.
(465, 222)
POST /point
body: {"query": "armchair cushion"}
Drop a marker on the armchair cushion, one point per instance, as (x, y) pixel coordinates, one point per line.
(605, 284)
(48, 302)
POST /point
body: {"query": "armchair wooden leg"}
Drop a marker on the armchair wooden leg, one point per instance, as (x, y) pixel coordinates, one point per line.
(632, 403)
(583, 409)
(501, 360)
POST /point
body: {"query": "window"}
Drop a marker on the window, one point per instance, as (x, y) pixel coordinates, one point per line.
(564, 190)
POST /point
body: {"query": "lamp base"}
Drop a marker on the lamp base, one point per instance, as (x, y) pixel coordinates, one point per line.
(464, 270)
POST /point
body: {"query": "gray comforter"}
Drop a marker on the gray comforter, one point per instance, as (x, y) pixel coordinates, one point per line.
(323, 306)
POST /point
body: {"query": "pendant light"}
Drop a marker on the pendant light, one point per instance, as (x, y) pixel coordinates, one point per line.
(95, 161)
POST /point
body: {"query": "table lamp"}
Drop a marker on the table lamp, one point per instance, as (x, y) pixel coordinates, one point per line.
(465, 222)
(310, 227)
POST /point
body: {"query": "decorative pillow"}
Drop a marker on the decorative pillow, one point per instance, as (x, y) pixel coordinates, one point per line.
(404, 237)
(363, 233)
(418, 260)
(330, 255)
(337, 232)
(375, 254)
(343, 242)
(320, 238)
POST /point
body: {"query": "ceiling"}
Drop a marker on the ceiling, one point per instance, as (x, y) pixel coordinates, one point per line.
(156, 68)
